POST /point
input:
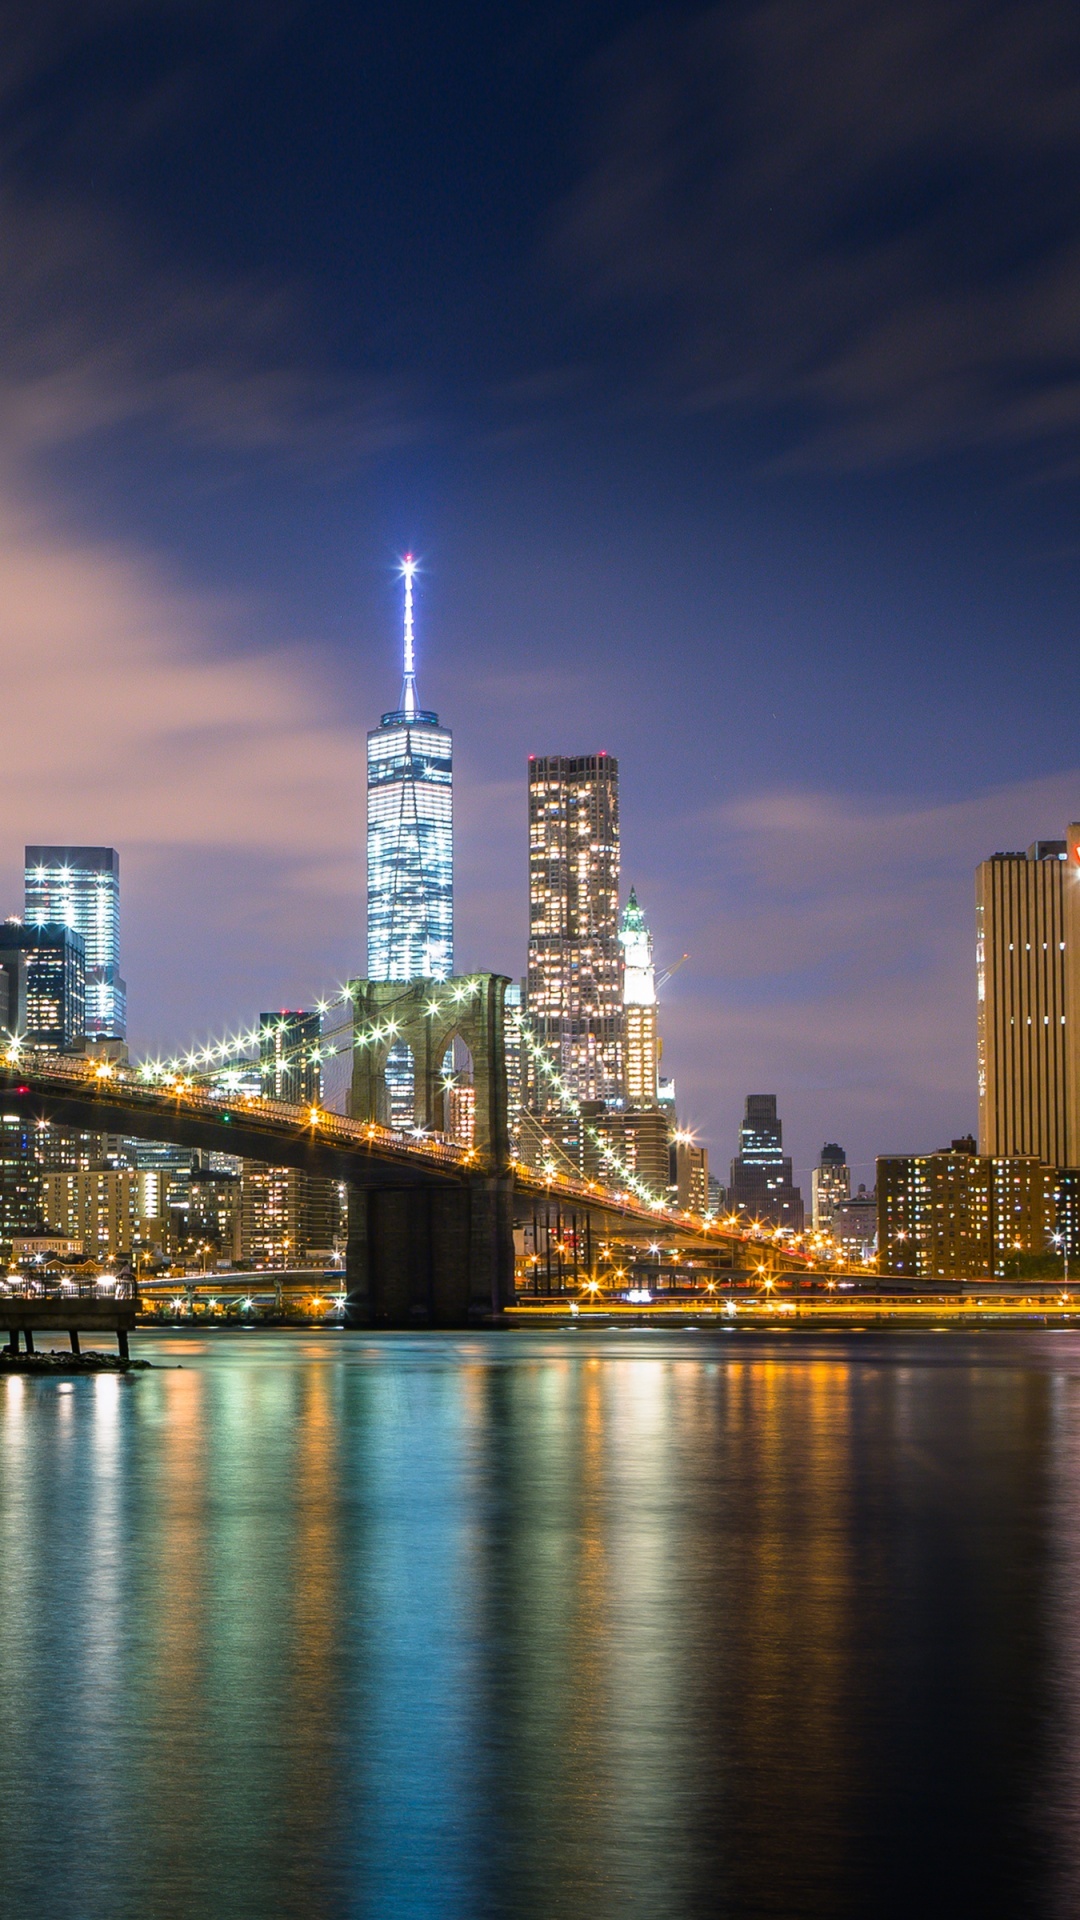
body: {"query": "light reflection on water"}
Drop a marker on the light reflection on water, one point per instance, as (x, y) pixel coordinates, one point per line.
(569, 1624)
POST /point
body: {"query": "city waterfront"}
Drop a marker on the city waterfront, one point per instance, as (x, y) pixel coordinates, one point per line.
(634, 1621)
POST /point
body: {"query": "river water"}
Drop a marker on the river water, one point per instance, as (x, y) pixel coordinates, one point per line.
(571, 1624)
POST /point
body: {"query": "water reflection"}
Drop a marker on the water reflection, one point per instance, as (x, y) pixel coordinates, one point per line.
(596, 1626)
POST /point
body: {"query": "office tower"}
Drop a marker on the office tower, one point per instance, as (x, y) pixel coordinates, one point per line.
(214, 1211)
(79, 887)
(956, 1214)
(761, 1181)
(574, 986)
(639, 1039)
(410, 852)
(289, 1056)
(691, 1174)
(853, 1225)
(45, 969)
(621, 1140)
(1028, 975)
(830, 1185)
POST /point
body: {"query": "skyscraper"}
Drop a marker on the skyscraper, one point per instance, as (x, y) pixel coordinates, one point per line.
(79, 887)
(289, 1056)
(574, 986)
(410, 850)
(830, 1185)
(761, 1182)
(639, 1039)
(45, 973)
(1028, 983)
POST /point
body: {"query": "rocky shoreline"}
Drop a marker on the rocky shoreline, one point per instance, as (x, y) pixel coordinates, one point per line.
(64, 1362)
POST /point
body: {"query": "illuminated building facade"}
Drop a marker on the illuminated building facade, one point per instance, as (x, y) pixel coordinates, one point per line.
(288, 1216)
(410, 852)
(289, 1056)
(761, 1178)
(1028, 984)
(640, 1051)
(957, 1214)
(100, 1207)
(20, 1178)
(691, 1174)
(45, 969)
(853, 1225)
(410, 835)
(830, 1185)
(79, 887)
(574, 989)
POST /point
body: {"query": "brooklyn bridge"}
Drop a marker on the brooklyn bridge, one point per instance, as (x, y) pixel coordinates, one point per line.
(431, 1220)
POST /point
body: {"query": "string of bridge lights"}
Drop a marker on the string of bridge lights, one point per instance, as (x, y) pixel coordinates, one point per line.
(217, 1056)
(607, 1152)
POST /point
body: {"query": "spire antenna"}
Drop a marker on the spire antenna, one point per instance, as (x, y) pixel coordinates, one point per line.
(409, 704)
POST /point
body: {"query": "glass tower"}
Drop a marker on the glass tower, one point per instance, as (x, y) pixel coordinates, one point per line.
(79, 887)
(410, 847)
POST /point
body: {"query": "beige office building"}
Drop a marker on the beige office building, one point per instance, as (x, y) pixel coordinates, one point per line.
(1028, 970)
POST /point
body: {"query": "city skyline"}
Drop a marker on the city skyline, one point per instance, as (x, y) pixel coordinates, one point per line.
(821, 612)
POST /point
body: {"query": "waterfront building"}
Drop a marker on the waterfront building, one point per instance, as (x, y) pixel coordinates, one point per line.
(289, 1056)
(214, 1211)
(99, 1207)
(79, 887)
(957, 1214)
(1028, 984)
(574, 990)
(1067, 1209)
(830, 1186)
(762, 1186)
(45, 967)
(288, 1217)
(639, 1036)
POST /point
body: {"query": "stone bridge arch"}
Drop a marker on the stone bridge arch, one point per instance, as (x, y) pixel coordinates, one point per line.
(427, 1016)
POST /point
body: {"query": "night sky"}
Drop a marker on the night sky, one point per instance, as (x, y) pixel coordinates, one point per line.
(723, 367)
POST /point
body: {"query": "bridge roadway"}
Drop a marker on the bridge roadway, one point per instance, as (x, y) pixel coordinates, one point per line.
(100, 1096)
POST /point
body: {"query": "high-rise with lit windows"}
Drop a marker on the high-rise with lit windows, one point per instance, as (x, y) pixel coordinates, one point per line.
(574, 988)
(1028, 984)
(410, 834)
(79, 887)
(640, 1051)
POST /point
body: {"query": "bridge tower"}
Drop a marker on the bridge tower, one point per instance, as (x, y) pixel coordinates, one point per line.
(438, 1252)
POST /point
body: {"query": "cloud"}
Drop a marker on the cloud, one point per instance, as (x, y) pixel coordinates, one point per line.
(860, 215)
(139, 716)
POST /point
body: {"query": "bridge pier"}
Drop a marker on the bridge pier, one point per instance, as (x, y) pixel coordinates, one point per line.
(436, 1256)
